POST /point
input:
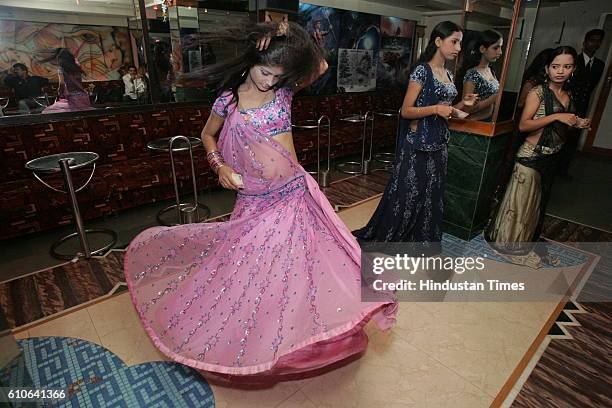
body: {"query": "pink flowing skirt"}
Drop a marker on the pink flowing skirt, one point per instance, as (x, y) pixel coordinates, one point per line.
(276, 290)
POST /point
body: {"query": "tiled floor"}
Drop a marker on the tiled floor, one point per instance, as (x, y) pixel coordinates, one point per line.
(438, 354)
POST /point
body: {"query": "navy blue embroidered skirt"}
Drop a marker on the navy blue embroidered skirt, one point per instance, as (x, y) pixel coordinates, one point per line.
(412, 206)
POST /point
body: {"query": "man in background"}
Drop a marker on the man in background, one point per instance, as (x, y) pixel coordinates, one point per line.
(135, 86)
(589, 70)
(26, 87)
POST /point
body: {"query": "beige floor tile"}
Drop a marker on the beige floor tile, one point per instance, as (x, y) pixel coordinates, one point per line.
(393, 373)
(132, 345)
(297, 400)
(77, 324)
(113, 314)
(22, 335)
(358, 216)
(481, 345)
(226, 397)
(529, 314)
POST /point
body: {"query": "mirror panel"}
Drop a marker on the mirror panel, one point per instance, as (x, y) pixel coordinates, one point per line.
(60, 58)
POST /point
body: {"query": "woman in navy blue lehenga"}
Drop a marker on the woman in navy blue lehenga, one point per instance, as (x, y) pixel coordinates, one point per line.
(412, 205)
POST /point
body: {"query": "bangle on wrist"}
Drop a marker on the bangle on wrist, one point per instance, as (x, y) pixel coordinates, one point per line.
(215, 160)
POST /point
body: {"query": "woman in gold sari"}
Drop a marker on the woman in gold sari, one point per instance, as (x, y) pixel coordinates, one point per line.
(547, 117)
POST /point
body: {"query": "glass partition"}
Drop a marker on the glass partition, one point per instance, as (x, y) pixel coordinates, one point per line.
(518, 60)
(480, 68)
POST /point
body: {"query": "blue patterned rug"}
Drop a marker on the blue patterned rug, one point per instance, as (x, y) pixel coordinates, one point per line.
(95, 377)
(477, 246)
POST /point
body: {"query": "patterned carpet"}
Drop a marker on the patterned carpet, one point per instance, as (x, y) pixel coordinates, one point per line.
(54, 290)
(93, 376)
(574, 372)
(575, 369)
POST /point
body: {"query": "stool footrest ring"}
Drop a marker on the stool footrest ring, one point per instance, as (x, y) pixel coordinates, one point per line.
(96, 251)
(204, 213)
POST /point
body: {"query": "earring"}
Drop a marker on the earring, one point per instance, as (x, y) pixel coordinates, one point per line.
(245, 72)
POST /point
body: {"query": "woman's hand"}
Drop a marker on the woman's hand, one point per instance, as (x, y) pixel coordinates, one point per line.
(444, 111)
(470, 99)
(568, 118)
(225, 173)
(583, 123)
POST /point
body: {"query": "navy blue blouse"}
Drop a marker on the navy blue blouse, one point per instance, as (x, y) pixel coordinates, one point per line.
(483, 87)
(432, 131)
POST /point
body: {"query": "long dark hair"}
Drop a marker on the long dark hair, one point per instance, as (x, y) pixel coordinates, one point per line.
(535, 71)
(564, 49)
(295, 52)
(443, 30)
(472, 55)
(65, 60)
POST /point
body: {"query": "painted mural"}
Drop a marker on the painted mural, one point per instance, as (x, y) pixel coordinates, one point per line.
(99, 50)
(365, 51)
(323, 24)
(395, 57)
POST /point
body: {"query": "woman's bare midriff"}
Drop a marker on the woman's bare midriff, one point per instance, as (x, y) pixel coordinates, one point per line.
(286, 140)
(534, 137)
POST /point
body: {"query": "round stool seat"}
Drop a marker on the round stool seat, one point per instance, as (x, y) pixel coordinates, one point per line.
(322, 177)
(387, 158)
(355, 118)
(353, 167)
(387, 112)
(306, 124)
(163, 144)
(50, 164)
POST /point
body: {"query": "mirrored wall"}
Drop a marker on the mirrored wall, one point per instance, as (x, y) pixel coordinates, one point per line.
(514, 92)
(88, 57)
(65, 57)
(481, 62)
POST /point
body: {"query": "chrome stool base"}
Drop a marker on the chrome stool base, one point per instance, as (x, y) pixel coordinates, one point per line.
(99, 251)
(186, 213)
(322, 176)
(385, 157)
(204, 214)
(358, 167)
(325, 178)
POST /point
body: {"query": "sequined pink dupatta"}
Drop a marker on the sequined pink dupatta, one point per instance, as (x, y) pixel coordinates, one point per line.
(265, 165)
(276, 289)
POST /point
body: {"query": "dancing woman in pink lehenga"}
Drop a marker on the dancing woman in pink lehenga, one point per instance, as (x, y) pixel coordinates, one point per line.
(276, 289)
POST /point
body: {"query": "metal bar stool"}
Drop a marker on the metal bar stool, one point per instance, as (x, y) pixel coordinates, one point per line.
(4, 101)
(186, 213)
(42, 100)
(384, 157)
(66, 162)
(358, 167)
(323, 177)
